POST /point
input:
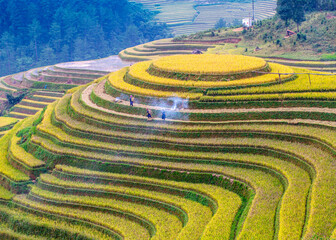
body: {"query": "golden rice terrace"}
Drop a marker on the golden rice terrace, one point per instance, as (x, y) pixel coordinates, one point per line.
(207, 147)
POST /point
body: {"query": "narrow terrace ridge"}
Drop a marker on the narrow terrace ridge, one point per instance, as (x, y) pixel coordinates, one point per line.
(99, 89)
(108, 168)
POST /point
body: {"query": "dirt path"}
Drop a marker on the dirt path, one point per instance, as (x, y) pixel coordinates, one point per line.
(99, 89)
(101, 92)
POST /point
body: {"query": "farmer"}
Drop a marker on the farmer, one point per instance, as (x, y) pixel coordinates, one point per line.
(131, 100)
(163, 115)
(149, 114)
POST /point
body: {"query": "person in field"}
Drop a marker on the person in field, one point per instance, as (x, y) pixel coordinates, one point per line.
(149, 114)
(163, 115)
(131, 100)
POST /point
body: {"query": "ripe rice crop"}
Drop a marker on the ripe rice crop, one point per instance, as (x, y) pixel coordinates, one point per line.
(20, 154)
(6, 121)
(121, 226)
(228, 202)
(138, 71)
(201, 154)
(198, 214)
(117, 81)
(59, 228)
(167, 225)
(269, 193)
(275, 96)
(303, 83)
(209, 64)
(297, 220)
(5, 168)
(5, 194)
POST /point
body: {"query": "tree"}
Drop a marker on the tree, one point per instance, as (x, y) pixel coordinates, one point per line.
(48, 56)
(132, 36)
(55, 36)
(298, 13)
(81, 49)
(70, 29)
(291, 10)
(285, 10)
(310, 5)
(236, 22)
(8, 54)
(221, 23)
(34, 31)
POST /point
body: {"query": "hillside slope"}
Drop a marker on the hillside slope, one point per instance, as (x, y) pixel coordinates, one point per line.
(241, 153)
(315, 41)
(190, 16)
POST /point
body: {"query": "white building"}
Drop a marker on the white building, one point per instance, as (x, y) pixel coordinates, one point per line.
(247, 22)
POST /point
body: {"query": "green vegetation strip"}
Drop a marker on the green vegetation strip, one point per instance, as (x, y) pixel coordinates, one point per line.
(330, 96)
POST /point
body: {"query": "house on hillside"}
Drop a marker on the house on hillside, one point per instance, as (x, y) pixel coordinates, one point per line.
(289, 33)
(247, 22)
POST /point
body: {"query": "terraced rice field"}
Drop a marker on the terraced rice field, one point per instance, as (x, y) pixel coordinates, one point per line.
(160, 48)
(216, 168)
(6, 124)
(323, 66)
(185, 17)
(230, 12)
(173, 13)
(166, 47)
(47, 84)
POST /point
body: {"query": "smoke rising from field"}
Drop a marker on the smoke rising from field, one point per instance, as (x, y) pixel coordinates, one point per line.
(171, 106)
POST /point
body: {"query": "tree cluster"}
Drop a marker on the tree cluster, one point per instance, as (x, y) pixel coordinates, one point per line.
(295, 9)
(318, 5)
(43, 32)
(291, 10)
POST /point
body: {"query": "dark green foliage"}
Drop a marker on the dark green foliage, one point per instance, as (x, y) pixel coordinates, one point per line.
(14, 100)
(27, 132)
(301, 37)
(295, 9)
(285, 10)
(298, 13)
(236, 22)
(38, 33)
(316, 5)
(221, 23)
(291, 10)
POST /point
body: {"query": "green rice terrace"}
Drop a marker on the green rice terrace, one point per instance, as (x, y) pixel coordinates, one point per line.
(177, 148)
